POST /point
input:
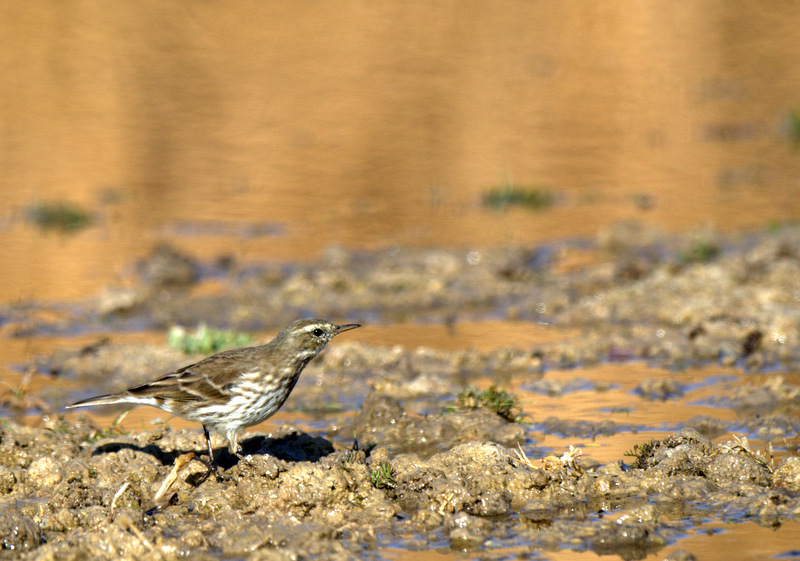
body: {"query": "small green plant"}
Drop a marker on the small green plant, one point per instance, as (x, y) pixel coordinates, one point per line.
(701, 251)
(60, 216)
(794, 125)
(350, 457)
(382, 478)
(205, 340)
(113, 430)
(19, 398)
(776, 226)
(508, 194)
(499, 401)
(367, 449)
(641, 452)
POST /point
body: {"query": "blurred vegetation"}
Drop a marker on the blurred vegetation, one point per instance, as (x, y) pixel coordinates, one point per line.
(206, 340)
(59, 215)
(642, 452)
(701, 251)
(494, 399)
(794, 125)
(777, 226)
(528, 196)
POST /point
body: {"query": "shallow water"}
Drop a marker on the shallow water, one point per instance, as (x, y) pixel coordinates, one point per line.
(271, 133)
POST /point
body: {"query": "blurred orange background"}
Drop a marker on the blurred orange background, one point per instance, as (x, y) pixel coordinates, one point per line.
(275, 130)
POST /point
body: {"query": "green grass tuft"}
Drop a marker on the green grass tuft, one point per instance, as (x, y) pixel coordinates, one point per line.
(59, 216)
(794, 125)
(206, 340)
(499, 401)
(701, 251)
(382, 477)
(528, 196)
(642, 452)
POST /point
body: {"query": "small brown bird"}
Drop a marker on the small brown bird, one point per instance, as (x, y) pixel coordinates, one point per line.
(233, 389)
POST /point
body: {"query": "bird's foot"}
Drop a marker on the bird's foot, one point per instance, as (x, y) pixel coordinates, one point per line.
(213, 468)
(219, 475)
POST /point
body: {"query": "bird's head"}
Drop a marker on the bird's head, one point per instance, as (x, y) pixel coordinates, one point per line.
(307, 337)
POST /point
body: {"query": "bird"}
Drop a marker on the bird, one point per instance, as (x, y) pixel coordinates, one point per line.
(233, 389)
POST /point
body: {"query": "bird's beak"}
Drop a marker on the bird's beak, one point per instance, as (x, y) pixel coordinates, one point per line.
(347, 327)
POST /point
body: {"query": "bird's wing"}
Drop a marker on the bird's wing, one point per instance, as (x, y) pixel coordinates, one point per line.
(207, 380)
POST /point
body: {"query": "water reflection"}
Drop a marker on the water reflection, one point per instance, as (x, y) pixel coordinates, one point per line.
(369, 127)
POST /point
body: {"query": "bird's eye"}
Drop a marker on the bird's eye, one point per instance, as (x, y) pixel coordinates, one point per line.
(318, 332)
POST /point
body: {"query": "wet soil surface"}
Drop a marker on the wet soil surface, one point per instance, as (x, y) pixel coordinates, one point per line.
(676, 303)
(393, 450)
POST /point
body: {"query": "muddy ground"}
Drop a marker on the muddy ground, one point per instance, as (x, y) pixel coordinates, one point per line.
(397, 459)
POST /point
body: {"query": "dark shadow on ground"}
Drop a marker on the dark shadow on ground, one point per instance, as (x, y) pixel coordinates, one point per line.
(295, 447)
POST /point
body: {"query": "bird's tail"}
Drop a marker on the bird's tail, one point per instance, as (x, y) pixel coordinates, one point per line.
(110, 399)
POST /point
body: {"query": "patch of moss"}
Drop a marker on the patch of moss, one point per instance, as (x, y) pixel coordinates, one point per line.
(206, 340)
(528, 196)
(60, 216)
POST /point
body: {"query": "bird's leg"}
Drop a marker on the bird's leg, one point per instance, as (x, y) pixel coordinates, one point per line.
(233, 445)
(210, 450)
(212, 464)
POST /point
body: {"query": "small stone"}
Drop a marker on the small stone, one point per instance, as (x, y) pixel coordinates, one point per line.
(44, 472)
(466, 531)
(18, 532)
(680, 555)
(462, 538)
(63, 520)
(7, 480)
(787, 474)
